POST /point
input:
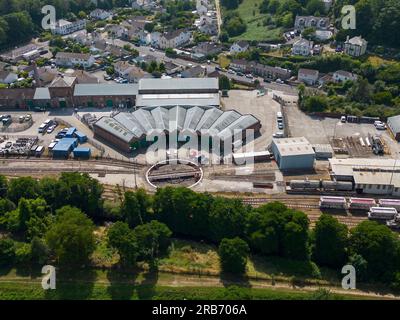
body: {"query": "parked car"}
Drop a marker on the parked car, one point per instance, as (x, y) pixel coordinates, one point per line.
(249, 76)
(343, 119)
(230, 71)
(280, 125)
(51, 129)
(278, 134)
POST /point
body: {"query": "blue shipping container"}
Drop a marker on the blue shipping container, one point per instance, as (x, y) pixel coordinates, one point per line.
(70, 132)
(81, 136)
(82, 152)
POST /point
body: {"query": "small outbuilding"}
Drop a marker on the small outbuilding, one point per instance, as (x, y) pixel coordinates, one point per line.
(394, 126)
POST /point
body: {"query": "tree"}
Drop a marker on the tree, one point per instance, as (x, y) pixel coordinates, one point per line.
(233, 255)
(295, 241)
(23, 187)
(315, 104)
(3, 186)
(71, 236)
(149, 27)
(315, 6)
(39, 251)
(380, 248)
(226, 219)
(122, 238)
(330, 242)
(7, 251)
(130, 209)
(224, 83)
(153, 239)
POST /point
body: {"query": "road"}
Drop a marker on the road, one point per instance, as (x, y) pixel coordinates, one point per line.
(219, 17)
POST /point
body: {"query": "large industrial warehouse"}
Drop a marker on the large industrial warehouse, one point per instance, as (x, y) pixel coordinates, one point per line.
(129, 130)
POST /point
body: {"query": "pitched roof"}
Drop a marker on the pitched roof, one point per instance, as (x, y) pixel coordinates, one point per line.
(72, 55)
(62, 81)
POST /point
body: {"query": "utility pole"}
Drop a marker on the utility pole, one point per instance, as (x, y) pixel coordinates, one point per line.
(134, 172)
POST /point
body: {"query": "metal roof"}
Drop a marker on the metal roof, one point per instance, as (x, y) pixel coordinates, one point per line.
(145, 119)
(293, 146)
(130, 122)
(226, 119)
(184, 99)
(42, 94)
(394, 124)
(161, 118)
(105, 90)
(177, 117)
(183, 84)
(208, 118)
(193, 116)
(115, 128)
(242, 123)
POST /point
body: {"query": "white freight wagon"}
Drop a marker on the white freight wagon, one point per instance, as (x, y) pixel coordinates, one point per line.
(380, 213)
(391, 203)
(333, 202)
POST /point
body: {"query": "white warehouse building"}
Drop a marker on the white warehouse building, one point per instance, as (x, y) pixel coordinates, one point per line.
(370, 176)
(293, 153)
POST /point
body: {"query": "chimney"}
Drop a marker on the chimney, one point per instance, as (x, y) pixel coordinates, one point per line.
(347, 38)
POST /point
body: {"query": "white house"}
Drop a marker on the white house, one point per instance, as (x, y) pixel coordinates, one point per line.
(342, 76)
(356, 46)
(100, 14)
(302, 47)
(70, 59)
(64, 27)
(172, 39)
(238, 47)
(7, 77)
(308, 76)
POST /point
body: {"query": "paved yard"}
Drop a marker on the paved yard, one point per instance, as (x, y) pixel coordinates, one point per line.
(264, 108)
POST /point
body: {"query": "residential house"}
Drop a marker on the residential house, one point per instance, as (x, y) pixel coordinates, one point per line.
(207, 24)
(319, 23)
(327, 78)
(47, 75)
(147, 59)
(174, 39)
(116, 51)
(128, 71)
(238, 47)
(83, 77)
(202, 7)
(342, 76)
(117, 31)
(64, 27)
(265, 71)
(7, 77)
(303, 47)
(308, 76)
(208, 48)
(194, 72)
(100, 14)
(71, 59)
(171, 68)
(356, 46)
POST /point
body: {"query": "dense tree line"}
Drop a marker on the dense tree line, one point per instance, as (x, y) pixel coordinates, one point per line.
(54, 220)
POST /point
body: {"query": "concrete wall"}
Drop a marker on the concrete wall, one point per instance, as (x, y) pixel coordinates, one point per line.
(295, 162)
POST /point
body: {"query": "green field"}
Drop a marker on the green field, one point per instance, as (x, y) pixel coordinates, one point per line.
(256, 31)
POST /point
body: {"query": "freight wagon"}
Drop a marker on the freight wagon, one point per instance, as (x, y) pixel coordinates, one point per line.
(361, 203)
(391, 203)
(333, 202)
(379, 213)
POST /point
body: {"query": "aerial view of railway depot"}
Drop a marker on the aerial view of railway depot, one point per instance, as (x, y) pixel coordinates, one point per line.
(208, 149)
